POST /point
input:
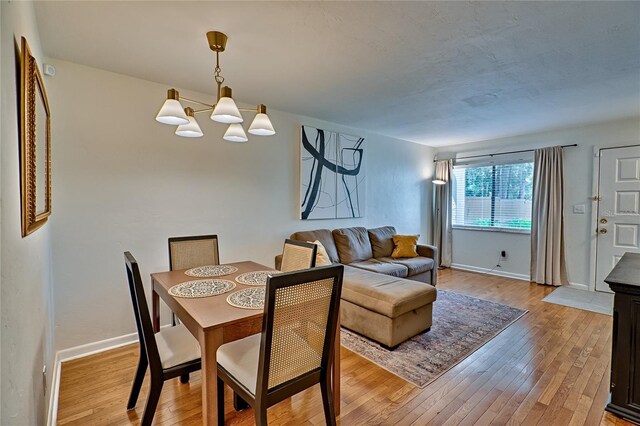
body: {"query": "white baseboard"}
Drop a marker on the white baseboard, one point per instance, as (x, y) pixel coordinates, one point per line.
(80, 352)
(54, 393)
(488, 271)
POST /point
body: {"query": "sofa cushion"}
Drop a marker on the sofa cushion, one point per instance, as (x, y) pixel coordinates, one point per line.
(416, 265)
(381, 240)
(388, 268)
(405, 246)
(353, 244)
(322, 235)
(384, 294)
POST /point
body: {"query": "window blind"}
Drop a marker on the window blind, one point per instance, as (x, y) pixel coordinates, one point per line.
(493, 196)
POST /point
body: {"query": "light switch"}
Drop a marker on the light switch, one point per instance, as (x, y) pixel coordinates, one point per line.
(578, 209)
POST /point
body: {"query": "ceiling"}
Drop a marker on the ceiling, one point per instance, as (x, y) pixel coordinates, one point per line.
(433, 73)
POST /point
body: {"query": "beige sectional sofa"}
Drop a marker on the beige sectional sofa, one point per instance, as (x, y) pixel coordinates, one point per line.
(385, 299)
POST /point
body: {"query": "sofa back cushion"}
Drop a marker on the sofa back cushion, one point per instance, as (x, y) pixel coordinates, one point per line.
(382, 240)
(322, 235)
(353, 244)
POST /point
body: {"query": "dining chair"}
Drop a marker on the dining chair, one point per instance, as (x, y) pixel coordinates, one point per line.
(190, 252)
(298, 255)
(295, 349)
(170, 353)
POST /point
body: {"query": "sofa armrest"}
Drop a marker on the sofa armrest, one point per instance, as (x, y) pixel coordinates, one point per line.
(432, 253)
(278, 262)
(428, 251)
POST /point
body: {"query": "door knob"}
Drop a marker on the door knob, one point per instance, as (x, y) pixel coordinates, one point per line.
(603, 231)
(603, 220)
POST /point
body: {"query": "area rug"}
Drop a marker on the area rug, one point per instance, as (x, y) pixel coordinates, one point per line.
(461, 325)
(594, 301)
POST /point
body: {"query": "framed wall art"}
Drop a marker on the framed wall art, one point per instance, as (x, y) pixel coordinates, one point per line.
(35, 144)
(332, 175)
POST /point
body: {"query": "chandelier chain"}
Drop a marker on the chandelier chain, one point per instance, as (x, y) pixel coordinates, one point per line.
(219, 79)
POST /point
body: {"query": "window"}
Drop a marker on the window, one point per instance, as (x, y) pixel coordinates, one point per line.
(496, 196)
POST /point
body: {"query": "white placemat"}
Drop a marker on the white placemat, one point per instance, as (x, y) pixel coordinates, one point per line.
(211, 271)
(256, 277)
(202, 288)
(247, 298)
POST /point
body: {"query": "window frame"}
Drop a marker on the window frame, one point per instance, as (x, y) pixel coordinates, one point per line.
(493, 183)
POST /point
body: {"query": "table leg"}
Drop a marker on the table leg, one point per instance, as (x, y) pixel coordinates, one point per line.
(336, 371)
(210, 341)
(155, 307)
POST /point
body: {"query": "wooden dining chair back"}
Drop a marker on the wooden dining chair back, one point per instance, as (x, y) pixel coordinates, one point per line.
(175, 353)
(193, 251)
(298, 255)
(296, 346)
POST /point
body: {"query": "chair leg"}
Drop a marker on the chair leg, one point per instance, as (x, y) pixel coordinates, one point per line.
(184, 378)
(261, 415)
(327, 400)
(138, 379)
(220, 402)
(174, 320)
(152, 401)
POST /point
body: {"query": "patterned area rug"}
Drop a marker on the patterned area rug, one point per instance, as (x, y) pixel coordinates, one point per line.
(461, 325)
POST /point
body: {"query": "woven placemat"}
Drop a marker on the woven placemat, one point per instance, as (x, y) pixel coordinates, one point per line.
(256, 277)
(211, 271)
(202, 288)
(248, 298)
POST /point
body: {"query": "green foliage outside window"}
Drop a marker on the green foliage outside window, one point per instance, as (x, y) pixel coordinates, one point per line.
(513, 181)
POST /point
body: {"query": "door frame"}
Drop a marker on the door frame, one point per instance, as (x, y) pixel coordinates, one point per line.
(595, 190)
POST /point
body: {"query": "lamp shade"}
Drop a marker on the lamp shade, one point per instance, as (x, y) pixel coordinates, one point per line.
(172, 113)
(235, 133)
(191, 129)
(442, 172)
(261, 126)
(226, 111)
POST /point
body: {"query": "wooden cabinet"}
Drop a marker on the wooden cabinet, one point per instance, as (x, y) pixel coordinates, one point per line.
(624, 280)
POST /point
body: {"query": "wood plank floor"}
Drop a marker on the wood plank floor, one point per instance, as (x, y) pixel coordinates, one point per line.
(551, 367)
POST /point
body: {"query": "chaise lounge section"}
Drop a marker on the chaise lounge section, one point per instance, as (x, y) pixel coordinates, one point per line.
(386, 299)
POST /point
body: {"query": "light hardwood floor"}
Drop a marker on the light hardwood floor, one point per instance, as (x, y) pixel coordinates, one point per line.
(551, 367)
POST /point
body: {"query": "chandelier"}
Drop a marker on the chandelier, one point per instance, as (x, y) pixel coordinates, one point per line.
(223, 111)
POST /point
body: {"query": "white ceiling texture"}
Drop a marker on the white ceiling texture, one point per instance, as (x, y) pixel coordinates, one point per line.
(432, 73)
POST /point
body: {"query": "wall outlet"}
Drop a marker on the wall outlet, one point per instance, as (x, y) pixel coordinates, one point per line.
(503, 255)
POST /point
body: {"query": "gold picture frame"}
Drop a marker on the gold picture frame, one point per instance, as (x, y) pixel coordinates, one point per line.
(35, 144)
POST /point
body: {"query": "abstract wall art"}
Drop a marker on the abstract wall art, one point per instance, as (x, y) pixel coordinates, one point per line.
(332, 175)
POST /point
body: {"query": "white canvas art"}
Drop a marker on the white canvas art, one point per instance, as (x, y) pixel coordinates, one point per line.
(332, 175)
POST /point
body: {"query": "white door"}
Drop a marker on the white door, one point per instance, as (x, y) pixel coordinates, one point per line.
(618, 209)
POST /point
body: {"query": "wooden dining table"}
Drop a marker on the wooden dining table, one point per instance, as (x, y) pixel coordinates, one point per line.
(213, 321)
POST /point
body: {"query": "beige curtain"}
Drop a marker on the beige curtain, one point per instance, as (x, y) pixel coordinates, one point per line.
(547, 223)
(442, 212)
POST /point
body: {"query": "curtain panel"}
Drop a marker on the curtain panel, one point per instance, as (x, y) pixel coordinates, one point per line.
(547, 219)
(442, 216)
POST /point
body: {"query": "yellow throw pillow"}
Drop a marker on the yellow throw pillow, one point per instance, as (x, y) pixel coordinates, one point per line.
(322, 257)
(405, 245)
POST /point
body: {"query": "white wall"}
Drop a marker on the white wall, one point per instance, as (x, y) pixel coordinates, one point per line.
(122, 181)
(480, 249)
(25, 263)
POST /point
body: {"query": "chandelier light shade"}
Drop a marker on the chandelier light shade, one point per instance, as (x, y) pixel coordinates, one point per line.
(171, 111)
(191, 129)
(224, 110)
(261, 125)
(235, 133)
